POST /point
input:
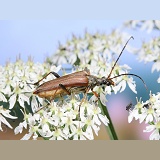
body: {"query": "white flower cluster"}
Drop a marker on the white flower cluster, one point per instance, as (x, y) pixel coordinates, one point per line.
(4, 113)
(54, 122)
(63, 121)
(91, 48)
(148, 112)
(149, 51)
(16, 79)
(148, 25)
(14, 90)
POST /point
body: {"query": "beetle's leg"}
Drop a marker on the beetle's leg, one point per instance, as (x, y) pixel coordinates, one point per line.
(41, 108)
(54, 73)
(65, 89)
(84, 98)
(95, 94)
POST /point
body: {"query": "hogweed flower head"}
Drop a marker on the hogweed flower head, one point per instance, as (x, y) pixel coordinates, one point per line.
(148, 25)
(148, 112)
(14, 84)
(65, 121)
(4, 113)
(149, 51)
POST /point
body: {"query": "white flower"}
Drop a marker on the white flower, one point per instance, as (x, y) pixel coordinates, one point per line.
(155, 135)
(135, 113)
(147, 25)
(122, 84)
(98, 116)
(19, 128)
(148, 112)
(58, 135)
(5, 113)
(45, 131)
(156, 66)
(78, 133)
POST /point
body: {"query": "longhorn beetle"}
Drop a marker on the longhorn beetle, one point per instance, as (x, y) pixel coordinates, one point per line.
(81, 81)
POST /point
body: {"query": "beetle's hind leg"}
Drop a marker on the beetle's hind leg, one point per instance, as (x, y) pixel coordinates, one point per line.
(65, 89)
(54, 73)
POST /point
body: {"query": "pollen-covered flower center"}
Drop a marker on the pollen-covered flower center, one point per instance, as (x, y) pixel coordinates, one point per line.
(150, 110)
(125, 77)
(139, 105)
(158, 125)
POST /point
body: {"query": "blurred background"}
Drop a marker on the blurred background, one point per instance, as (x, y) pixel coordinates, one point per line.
(39, 39)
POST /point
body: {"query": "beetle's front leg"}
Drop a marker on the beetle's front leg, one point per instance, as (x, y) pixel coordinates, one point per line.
(95, 93)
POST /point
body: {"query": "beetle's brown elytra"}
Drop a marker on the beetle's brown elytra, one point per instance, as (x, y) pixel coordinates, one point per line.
(81, 81)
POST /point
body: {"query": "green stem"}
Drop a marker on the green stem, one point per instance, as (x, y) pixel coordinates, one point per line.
(110, 128)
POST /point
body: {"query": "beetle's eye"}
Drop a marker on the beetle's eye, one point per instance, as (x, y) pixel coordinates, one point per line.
(108, 83)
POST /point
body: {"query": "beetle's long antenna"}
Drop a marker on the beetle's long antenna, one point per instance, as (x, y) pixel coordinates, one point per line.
(130, 74)
(119, 56)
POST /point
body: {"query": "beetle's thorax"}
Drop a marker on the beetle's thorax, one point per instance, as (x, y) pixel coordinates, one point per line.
(95, 81)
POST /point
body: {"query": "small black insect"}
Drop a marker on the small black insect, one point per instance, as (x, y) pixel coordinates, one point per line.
(147, 105)
(129, 106)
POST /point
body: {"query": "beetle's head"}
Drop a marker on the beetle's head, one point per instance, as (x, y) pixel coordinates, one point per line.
(106, 82)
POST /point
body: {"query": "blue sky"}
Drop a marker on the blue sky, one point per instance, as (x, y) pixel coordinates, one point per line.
(40, 37)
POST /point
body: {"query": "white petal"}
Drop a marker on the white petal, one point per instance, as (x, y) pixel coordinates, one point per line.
(123, 85)
(59, 138)
(1, 126)
(142, 117)
(17, 130)
(104, 119)
(2, 97)
(75, 137)
(103, 98)
(156, 66)
(149, 118)
(130, 118)
(73, 128)
(154, 135)
(96, 129)
(34, 104)
(96, 120)
(149, 128)
(27, 136)
(35, 136)
(5, 121)
(66, 130)
(82, 137)
(12, 101)
(6, 114)
(132, 87)
(21, 99)
(89, 133)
